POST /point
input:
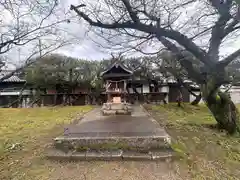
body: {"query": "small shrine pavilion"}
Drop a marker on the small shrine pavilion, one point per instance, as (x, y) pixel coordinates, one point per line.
(115, 81)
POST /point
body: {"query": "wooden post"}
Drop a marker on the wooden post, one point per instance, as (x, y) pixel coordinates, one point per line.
(108, 97)
(124, 89)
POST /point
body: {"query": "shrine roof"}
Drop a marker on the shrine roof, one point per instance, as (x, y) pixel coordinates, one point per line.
(114, 69)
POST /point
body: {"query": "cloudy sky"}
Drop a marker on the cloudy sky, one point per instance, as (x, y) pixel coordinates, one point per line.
(82, 43)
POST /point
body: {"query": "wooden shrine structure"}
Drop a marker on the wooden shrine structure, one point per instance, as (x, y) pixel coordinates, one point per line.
(115, 80)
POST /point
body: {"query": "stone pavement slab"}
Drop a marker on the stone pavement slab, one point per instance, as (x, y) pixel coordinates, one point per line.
(138, 136)
(94, 124)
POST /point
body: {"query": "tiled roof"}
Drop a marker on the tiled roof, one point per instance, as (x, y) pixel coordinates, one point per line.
(116, 64)
(13, 78)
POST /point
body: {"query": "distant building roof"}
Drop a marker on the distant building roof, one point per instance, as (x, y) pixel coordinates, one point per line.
(7, 69)
(13, 78)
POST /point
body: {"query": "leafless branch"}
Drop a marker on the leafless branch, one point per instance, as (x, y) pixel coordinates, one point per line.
(229, 59)
(30, 60)
(22, 32)
(175, 35)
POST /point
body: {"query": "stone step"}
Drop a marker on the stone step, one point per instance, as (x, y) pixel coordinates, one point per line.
(117, 155)
(106, 141)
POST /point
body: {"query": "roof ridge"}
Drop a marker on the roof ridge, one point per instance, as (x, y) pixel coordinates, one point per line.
(117, 62)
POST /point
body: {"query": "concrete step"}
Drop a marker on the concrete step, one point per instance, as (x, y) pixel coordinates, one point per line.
(104, 141)
(117, 155)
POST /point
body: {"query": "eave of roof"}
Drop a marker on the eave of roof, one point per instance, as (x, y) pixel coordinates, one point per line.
(116, 75)
(116, 64)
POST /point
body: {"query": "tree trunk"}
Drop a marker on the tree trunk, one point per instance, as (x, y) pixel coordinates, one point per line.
(221, 106)
(134, 88)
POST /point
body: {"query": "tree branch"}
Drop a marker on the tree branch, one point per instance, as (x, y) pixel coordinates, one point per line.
(115, 25)
(28, 62)
(159, 32)
(218, 30)
(229, 59)
(181, 58)
(231, 27)
(132, 14)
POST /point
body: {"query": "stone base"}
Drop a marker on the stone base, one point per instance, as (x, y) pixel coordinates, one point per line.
(116, 109)
(107, 141)
(117, 155)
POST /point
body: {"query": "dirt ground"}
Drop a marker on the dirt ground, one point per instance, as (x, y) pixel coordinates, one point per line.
(111, 171)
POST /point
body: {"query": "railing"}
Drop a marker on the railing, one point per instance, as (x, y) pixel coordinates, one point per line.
(117, 90)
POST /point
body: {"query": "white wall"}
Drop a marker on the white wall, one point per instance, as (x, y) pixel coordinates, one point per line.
(139, 90)
(130, 90)
(164, 89)
(13, 93)
(192, 98)
(145, 88)
(235, 94)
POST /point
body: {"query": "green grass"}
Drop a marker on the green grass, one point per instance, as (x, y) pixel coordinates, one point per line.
(204, 152)
(32, 129)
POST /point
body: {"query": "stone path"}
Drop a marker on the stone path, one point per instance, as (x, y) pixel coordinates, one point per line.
(115, 137)
(95, 124)
(139, 122)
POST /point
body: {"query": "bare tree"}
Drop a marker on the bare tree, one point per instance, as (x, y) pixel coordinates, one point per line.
(32, 25)
(199, 27)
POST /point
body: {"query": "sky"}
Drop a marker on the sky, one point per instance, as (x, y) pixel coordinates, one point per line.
(82, 46)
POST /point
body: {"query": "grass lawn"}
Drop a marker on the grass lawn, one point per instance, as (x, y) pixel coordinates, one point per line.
(204, 152)
(30, 130)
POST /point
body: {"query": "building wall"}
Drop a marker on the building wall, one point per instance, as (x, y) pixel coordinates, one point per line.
(15, 93)
(192, 98)
(139, 90)
(235, 94)
(164, 89)
(12, 100)
(145, 88)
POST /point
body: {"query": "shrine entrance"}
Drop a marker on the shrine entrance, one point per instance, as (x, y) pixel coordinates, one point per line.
(115, 82)
(116, 91)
